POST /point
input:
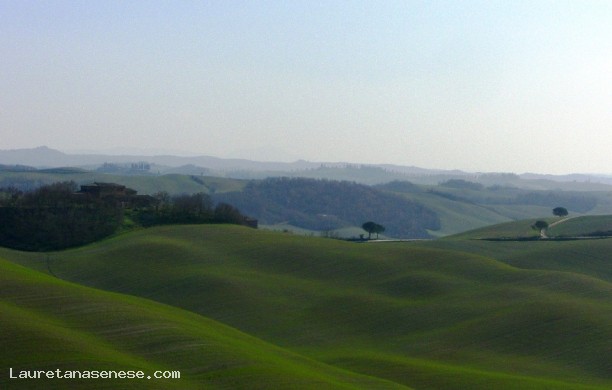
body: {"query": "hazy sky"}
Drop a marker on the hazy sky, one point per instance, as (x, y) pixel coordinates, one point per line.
(510, 86)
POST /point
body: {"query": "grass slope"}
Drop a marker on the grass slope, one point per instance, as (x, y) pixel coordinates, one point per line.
(49, 324)
(566, 227)
(421, 316)
(586, 257)
(507, 230)
(457, 216)
(144, 184)
(582, 226)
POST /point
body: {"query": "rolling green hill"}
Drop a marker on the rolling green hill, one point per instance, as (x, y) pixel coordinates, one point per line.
(49, 324)
(567, 227)
(583, 226)
(507, 230)
(144, 184)
(423, 315)
(464, 205)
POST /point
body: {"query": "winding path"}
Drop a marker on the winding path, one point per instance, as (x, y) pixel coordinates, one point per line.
(543, 231)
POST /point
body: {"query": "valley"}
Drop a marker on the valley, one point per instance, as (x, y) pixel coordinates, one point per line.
(461, 291)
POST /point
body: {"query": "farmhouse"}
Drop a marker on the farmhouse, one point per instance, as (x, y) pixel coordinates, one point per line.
(103, 190)
(117, 192)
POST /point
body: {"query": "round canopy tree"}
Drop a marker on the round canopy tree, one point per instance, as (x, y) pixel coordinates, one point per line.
(560, 211)
(372, 227)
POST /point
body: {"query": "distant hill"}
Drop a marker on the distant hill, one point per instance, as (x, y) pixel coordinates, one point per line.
(583, 226)
(458, 204)
(328, 205)
(572, 227)
(44, 157)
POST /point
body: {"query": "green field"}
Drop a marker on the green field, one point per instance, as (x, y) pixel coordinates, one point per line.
(583, 226)
(144, 184)
(234, 307)
(49, 324)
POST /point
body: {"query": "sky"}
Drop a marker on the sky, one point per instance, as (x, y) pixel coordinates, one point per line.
(506, 86)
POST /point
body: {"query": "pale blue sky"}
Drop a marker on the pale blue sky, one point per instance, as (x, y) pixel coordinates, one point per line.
(511, 86)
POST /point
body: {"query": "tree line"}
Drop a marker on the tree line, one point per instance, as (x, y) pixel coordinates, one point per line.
(187, 209)
(56, 216)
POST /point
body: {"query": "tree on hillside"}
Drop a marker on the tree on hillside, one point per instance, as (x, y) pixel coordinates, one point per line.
(540, 226)
(379, 229)
(373, 227)
(560, 211)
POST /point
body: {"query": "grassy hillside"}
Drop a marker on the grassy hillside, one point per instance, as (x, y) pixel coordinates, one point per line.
(144, 184)
(457, 216)
(579, 257)
(420, 316)
(567, 227)
(583, 226)
(49, 324)
(588, 257)
(465, 205)
(509, 230)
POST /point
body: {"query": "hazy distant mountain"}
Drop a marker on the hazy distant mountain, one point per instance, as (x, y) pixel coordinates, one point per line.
(41, 157)
(577, 177)
(44, 157)
(264, 153)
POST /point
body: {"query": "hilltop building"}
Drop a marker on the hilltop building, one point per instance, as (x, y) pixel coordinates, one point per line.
(117, 192)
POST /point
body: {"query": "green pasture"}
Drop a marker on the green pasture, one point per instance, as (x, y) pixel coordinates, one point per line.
(49, 324)
(144, 184)
(582, 226)
(443, 314)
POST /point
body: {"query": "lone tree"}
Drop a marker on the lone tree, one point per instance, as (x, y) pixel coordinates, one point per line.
(560, 211)
(372, 227)
(541, 226)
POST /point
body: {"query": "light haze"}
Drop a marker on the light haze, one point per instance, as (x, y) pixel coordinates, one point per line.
(513, 86)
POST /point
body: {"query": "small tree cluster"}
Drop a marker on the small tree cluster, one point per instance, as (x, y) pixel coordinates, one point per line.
(372, 227)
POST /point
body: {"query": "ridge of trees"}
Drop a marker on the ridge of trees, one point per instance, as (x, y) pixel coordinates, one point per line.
(55, 216)
(189, 208)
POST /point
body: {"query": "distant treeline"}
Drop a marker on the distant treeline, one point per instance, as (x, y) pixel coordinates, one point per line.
(326, 205)
(127, 168)
(184, 209)
(56, 216)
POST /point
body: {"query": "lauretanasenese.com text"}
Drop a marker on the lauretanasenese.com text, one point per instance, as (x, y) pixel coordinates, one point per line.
(91, 374)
